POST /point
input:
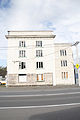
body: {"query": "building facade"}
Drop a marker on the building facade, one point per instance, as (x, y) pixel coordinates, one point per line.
(34, 59)
(64, 65)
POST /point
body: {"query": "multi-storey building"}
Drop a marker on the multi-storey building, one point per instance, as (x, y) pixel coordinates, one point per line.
(64, 66)
(34, 59)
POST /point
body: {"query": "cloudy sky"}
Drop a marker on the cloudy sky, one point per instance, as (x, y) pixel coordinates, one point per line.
(61, 16)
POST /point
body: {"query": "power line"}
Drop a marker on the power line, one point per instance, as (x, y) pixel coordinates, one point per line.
(47, 54)
(54, 53)
(27, 47)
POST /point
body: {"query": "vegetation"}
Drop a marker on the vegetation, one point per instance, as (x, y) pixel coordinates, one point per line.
(3, 71)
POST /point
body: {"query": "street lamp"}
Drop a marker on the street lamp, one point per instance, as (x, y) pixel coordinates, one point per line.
(76, 45)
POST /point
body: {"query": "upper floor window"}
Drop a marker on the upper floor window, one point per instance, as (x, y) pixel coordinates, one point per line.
(38, 43)
(63, 53)
(39, 64)
(22, 65)
(22, 53)
(39, 53)
(22, 44)
(63, 63)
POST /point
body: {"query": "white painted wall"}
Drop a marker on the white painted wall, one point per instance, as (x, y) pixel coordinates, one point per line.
(30, 59)
(51, 59)
(70, 65)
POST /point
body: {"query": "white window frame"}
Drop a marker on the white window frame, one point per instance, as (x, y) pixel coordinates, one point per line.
(64, 74)
(39, 76)
(64, 63)
(39, 65)
(22, 65)
(38, 43)
(22, 80)
(22, 53)
(63, 53)
(22, 44)
(39, 53)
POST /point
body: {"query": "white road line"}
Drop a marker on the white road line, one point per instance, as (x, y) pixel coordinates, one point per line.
(70, 93)
(44, 106)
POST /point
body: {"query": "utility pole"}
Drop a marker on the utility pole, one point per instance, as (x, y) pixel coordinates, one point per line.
(77, 61)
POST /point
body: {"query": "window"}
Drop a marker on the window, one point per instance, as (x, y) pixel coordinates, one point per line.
(22, 53)
(22, 44)
(37, 77)
(63, 63)
(64, 75)
(39, 53)
(22, 65)
(63, 53)
(38, 43)
(39, 64)
(22, 78)
(40, 77)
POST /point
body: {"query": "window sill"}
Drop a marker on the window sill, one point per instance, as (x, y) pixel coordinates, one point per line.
(22, 69)
(22, 82)
(22, 47)
(39, 47)
(41, 81)
(22, 57)
(39, 56)
(39, 68)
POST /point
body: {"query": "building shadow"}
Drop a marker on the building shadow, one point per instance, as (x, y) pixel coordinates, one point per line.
(67, 114)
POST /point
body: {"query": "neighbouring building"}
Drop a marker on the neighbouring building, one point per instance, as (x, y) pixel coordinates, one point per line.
(34, 59)
(64, 65)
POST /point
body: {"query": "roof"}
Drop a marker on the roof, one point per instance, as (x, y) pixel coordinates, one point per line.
(30, 34)
(31, 31)
(63, 44)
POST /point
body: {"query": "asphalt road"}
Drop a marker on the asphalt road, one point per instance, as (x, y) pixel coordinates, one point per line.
(40, 104)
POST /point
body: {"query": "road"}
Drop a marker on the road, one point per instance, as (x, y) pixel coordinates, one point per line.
(40, 104)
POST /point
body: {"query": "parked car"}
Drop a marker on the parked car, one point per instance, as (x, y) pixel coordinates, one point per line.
(3, 81)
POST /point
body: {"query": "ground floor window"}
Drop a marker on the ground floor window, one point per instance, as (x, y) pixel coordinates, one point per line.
(64, 75)
(22, 77)
(40, 77)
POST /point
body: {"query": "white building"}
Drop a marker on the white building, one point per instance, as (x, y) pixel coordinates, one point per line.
(34, 59)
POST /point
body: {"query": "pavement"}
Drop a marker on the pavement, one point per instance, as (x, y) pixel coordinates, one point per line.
(60, 103)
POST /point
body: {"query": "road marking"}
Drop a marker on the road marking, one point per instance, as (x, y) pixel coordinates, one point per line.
(70, 93)
(44, 106)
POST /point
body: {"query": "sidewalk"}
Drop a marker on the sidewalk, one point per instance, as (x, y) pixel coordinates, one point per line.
(3, 88)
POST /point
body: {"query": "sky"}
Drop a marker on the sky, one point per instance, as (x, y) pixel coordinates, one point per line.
(61, 16)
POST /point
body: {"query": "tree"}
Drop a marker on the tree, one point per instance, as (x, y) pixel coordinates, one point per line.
(3, 71)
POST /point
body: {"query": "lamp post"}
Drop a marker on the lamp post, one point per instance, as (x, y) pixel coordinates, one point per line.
(77, 60)
(76, 45)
